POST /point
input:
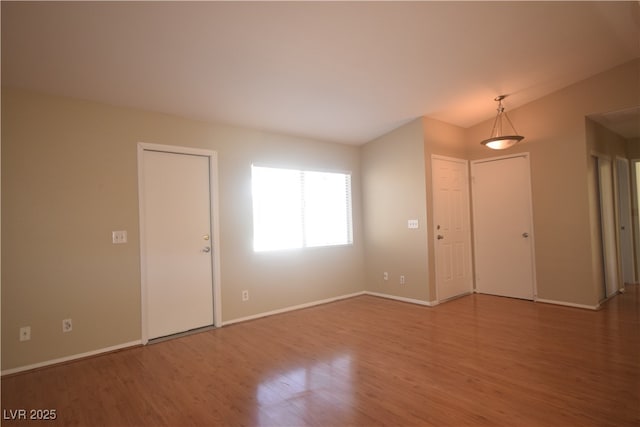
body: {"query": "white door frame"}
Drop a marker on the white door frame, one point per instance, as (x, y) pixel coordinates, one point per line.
(635, 218)
(608, 256)
(215, 240)
(469, 250)
(531, 234)
(624, 216)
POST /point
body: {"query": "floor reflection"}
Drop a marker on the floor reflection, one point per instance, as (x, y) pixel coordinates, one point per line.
(300, 392)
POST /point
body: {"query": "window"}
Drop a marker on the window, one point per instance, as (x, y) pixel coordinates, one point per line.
(297, 209)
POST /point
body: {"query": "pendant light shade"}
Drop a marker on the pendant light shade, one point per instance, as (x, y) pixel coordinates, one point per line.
(498, 140)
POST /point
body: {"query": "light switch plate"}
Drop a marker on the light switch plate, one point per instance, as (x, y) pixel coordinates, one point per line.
(119, 237)
(412, 223)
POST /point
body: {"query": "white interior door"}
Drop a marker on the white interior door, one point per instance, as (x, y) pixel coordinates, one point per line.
(176, 242)
(607, 222)
(503, 228)
(452, 232)
(624, 220)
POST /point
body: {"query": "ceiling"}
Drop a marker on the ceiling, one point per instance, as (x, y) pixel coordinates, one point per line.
(337, 71)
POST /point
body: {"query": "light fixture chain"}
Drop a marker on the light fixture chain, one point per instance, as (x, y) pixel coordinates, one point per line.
(495, 123)
(511, 124)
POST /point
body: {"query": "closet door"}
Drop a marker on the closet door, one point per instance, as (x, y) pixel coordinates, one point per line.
(503, 228)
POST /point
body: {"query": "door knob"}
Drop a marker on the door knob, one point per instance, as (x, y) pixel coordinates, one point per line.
(440, 237)
(206, 249)
(525, 234)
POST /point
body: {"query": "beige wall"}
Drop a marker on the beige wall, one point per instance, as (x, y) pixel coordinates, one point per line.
(633, 147)
(554, 128)
(393, 191)
(602, 141)
(69, 177)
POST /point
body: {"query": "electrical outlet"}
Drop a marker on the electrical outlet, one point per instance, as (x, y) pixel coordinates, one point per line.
(67, 325)
(119, 237)
(402, 280)
(245, 295)
(25, 333)
(385, 275)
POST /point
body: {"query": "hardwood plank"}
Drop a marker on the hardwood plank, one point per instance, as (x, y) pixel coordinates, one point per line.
(478, 360)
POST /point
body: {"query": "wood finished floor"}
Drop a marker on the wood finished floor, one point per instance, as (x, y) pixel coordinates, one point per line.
(479, 360)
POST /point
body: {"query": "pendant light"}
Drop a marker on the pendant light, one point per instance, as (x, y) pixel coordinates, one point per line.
(497, 140)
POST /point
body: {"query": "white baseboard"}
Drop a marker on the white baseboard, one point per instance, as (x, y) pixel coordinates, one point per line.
(403, 299)
(71, 358)
(291, 308)
(568, 304)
